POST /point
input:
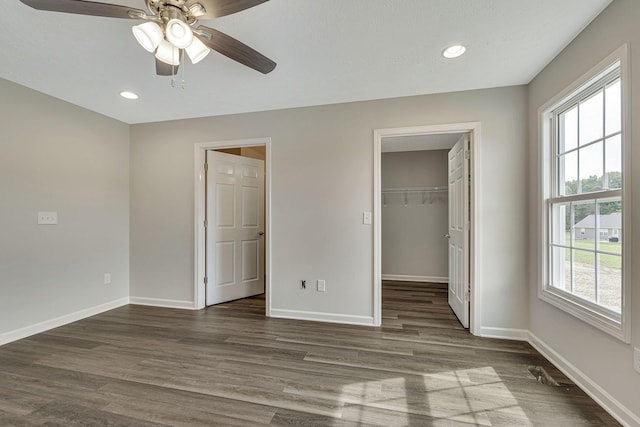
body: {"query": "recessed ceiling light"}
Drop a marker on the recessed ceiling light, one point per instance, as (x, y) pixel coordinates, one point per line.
(129, 95)
(454, 51)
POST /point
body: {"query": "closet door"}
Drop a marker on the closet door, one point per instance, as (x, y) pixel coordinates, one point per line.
(459, 230)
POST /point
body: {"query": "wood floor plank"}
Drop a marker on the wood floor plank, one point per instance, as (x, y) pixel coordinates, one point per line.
(72, 414)
(229, 365)
(187, 402)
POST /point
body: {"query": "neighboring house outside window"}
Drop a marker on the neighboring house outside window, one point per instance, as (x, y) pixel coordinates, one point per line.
(584, 152)
(610, 227)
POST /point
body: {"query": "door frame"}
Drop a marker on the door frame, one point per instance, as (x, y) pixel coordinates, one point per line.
(475, 238)
(200, 150)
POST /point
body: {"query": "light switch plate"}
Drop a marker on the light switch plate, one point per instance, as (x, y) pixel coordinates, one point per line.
(321, 285)
(47, 218)
(366, 218)
(107, 278)
(636, 359)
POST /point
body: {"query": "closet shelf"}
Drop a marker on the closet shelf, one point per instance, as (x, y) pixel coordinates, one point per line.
(415, 190)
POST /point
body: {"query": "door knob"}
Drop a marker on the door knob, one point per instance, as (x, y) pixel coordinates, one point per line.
(261, 233)
(448, 236)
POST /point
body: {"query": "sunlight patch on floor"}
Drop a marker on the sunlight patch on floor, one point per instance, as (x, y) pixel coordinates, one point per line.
(474, 396)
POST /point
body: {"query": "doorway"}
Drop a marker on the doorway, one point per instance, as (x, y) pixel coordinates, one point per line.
(250, 263)
(234, 223)
(424, 139)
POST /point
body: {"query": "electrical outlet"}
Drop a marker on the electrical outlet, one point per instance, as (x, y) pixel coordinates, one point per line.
(47, 218)
(321, 285)
(636, 359)
(107, 278)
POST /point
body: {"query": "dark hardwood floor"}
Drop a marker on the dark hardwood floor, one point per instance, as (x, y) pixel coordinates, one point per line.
(229, 365)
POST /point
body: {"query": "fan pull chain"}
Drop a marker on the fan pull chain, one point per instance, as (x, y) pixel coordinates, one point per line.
(173, 67)
(183, 83)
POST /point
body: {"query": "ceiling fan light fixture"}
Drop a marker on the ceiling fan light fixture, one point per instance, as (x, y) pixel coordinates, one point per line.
(149, 35)
(168, 53)
(197, 51)
(179, 33)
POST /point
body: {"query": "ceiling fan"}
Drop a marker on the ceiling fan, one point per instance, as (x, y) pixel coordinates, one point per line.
(171, 29)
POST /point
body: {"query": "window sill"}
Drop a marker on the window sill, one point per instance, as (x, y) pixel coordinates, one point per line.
(595, 316)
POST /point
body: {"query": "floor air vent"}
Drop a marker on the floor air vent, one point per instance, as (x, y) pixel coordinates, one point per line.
(542, 376)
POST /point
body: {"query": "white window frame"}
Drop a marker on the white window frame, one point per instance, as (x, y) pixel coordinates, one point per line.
(591, 313)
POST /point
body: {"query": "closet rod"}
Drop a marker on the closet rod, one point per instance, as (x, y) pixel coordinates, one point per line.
(416, 190)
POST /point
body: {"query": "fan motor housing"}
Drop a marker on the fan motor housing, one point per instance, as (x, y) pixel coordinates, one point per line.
(172, 9)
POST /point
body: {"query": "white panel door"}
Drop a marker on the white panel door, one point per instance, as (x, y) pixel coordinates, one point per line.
(235, 227)
(459, 230)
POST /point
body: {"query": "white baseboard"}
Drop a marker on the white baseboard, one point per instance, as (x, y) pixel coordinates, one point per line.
(46, 325)
(504, 333)
(407, 278)
(322, 317)
(165, 303)
(617, 410)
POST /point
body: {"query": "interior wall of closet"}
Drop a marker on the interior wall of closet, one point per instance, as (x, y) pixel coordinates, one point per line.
(414, 216)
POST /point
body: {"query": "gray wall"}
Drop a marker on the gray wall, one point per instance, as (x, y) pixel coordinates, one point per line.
(606, 360)
(55, 156)
(413, 242)
(322, 181)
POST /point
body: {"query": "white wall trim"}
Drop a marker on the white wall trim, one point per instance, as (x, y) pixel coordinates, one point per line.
(474, 128)
(504, 333)
(166, 303)
(617, 410)
(409, 278)
(323, 317)
(199, 214)
(46, 325)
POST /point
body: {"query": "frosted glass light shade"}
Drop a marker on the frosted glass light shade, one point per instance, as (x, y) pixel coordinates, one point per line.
(149, 35)
(179, 33)
(197, 51)
(168, 53)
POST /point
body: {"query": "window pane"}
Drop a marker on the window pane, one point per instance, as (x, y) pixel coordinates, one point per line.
(584, 274)
(568, 174)
(561, 224)
(613, 107)
(613, 162)
(561, 268)
(568, 130)
(584, 228)
(591, 165)
(591, 118)
(610, 225)
(610, 281)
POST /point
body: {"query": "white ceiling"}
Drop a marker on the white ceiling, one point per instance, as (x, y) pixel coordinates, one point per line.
(328, 51)
(438, 141)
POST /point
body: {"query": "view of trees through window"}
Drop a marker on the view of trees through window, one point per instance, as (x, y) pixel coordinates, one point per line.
(593, 183)
(585, 249)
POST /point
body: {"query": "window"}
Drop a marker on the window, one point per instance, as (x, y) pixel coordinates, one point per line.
(584, 184)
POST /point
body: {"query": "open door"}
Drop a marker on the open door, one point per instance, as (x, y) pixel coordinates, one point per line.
(235, 227)
(459, 230)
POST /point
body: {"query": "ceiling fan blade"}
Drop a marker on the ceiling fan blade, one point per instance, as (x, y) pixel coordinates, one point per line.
(234, 49)
(82, 7)
(164, 69)
(218, 8)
